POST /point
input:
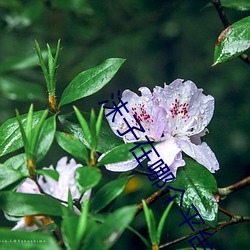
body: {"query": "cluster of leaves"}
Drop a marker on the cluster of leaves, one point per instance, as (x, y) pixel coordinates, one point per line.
(35, 131)
(97, 227)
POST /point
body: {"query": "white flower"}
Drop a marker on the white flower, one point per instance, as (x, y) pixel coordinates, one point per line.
(58, 189)
(176, 115)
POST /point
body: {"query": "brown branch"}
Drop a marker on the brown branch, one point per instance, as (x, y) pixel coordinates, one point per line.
(224, 192)
(152, 198)
(42, 192)
(224, 211)
(234, 220)
(222, 15)
(226, 23)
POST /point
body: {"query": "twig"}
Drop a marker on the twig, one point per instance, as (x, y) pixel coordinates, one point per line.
(234, 220)
(224, 211)
(152, 198)
(42, 192)
(226, 23)
(222, 15)
(223, 192)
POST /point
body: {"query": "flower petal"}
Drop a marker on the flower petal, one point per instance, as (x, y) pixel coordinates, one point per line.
(150, 115)
(201, 153)
(122, 166)
(59, 189)
(170, 153)
(29, 187)
(21, 225)
(189, 110)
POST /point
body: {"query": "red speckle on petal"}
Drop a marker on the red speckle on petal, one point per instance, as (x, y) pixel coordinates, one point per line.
(142, 114)
(179, 109)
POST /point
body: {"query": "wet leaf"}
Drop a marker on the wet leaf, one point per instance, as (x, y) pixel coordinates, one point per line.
(20, 62)
(53, 174)
(73, 146)
(105, 235)
(241, 5)
(107, 139)
(199, 185)
(233, 41)
(16, 240)
(87, 177)
(20, 204)
(9, 175)
(18, 162)
(46, 137)
(108, 193)
(122, 153)
(19, 90)
(10, 135)
(90, 81)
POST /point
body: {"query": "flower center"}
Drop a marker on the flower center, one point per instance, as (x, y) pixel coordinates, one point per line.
(179, 110)
(180, 121)
(141, 114)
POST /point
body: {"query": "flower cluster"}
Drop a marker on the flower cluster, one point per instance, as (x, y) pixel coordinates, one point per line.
(58, 189)
(176, 116)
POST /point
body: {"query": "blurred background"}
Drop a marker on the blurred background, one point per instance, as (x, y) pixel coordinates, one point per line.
(161, 41)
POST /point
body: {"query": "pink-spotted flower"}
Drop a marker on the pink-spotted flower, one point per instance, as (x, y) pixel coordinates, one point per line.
(58, 189)
(176, 116)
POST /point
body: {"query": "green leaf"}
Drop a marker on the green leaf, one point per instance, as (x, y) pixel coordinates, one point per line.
(19, 90)
(74, 228)
(82, 223)
(107, 139)
(70, 201)
(92, 126)
(90, 81)
(99, 122)
(37, 132)
(23, 133)
(47, 229)
(151, 223)
(53, 174)
(73, 146)
(233, 41)
(46, 138)
(121, 153)
(18, 162)
(104, 236)
(52, 65)
(8, 176)
(162, 222)
(43, 65)
(199, 185)
(108, 193)
(84, 125)
(69, 230)
(241, 5)
(87, 177)
(10, 136)
(20, 204)
(19, 63)
(28, 126)
(16, 240)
